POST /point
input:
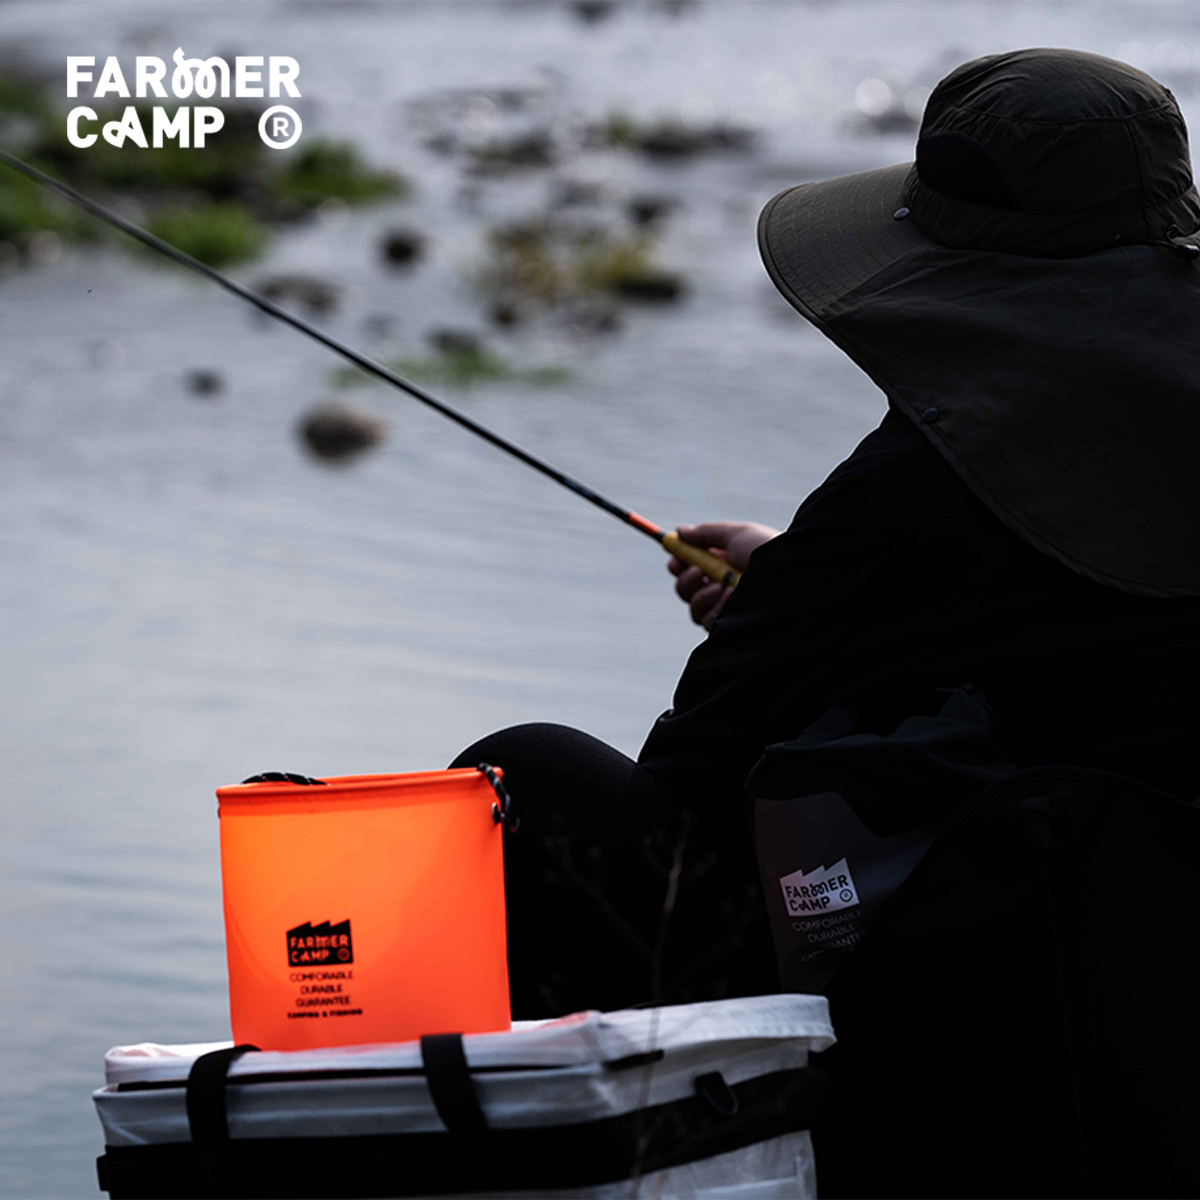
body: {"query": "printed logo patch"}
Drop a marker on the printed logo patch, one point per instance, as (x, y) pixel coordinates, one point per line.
(822, 890)
(322, 943)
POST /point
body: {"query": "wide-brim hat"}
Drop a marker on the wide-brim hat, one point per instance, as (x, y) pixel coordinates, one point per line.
(1027, 292)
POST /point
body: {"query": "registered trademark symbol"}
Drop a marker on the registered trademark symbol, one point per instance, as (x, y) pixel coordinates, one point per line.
(846, 896)
(280, 127)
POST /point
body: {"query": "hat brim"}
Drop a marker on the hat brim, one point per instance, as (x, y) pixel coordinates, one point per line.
(821, 241)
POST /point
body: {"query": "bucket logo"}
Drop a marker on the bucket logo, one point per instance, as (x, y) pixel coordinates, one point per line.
(322, 943)
(823, 890)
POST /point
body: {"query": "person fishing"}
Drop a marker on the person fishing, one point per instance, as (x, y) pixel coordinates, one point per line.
(1020, 533)
(1023, 522)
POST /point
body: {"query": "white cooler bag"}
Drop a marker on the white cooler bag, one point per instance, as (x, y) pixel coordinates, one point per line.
(706, 1100)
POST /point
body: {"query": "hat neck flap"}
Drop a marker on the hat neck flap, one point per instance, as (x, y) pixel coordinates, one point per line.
(1067, 399)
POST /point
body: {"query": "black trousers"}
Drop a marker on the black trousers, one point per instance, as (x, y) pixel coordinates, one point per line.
(618, 891)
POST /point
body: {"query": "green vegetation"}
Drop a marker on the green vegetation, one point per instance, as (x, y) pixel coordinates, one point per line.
(20, 94)
(548, 264)
(626, 267)
(216, 234)
(216, 203)
(331, 170)
(526, 260)
(618, 130)
(667, 138)
(229, 167)
(26, 209)
(460, 368)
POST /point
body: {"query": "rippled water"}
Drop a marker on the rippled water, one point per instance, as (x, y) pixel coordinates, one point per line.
(186, 599)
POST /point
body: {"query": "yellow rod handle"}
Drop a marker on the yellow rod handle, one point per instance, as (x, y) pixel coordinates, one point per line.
(713, 566)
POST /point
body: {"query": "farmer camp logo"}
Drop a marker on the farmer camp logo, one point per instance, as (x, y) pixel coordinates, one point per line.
(822, 890)
(193, 79)
(324, 943)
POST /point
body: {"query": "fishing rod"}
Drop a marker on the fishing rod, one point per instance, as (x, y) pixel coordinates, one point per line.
(712, 565)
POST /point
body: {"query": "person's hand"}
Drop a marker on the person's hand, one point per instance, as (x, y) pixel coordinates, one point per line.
(732, 540)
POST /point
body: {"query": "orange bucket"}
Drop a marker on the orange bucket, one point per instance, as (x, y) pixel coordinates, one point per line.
(369, 908)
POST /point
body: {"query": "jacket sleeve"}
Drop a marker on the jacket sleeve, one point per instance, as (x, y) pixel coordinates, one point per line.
(835, 606)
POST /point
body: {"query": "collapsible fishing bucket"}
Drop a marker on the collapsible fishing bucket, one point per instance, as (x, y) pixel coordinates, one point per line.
(707, 1101)
(366, 908)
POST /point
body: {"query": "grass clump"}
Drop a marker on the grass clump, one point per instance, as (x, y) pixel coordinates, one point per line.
(327, 170)
(618, 131)
(626, 267)
(216, 203)
(229, 167)
(526, 259)
(20, 93)
(26, 208)
(232, 167)
(540, 262)
(216, 234)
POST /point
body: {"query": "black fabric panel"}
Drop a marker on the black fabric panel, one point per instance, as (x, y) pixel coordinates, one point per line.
(1022, 1021)
(450, 1084)
(428, 1164)
(957, 165)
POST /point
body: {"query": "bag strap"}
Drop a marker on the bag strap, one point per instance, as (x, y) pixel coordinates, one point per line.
(208, 1118)
(450, 1083)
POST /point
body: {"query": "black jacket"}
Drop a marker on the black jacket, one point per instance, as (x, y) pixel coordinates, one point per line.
(892, 579)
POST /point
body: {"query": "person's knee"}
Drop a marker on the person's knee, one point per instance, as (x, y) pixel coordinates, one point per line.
(567, 778)
(516, 743)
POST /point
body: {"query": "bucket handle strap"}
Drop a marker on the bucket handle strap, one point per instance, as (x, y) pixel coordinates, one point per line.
(285, 777)
(502, 812)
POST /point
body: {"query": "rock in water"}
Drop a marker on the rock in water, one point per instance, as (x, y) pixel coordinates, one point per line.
(534, 148)
(649, 210)
(203, 382)
(403, 247)
(651, 286)
(505, 312)
(456, 341)
(592, 11)
(337, 433)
